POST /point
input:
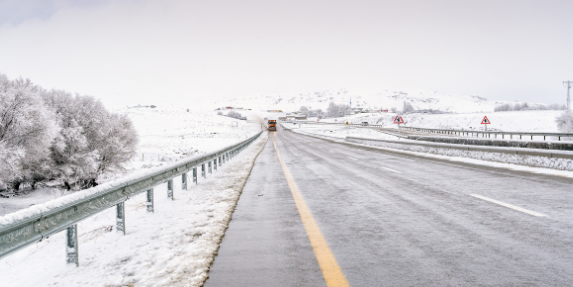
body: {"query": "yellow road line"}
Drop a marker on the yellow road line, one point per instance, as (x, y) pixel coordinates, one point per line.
(330, 270)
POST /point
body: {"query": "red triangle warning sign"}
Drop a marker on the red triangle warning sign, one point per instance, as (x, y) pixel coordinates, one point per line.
(398, 120)
(485, 121)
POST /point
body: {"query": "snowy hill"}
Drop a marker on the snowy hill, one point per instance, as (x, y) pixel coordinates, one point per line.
(387, 99)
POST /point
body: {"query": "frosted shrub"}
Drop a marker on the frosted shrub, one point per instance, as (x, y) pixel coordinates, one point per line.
(27, 128)
(565, 122)
(92, 141)
(53, 135)
(407, 107)
(335, 111)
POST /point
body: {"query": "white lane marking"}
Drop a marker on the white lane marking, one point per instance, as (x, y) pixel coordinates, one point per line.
(391, 170)
(508, 205)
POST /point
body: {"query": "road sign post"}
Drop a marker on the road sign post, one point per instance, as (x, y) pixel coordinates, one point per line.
(398, 120)
(485, 121)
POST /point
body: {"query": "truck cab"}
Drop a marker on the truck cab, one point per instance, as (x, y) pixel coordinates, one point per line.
(272, 125)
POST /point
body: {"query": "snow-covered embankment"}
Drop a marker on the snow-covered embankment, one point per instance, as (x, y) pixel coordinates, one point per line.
(172, 247)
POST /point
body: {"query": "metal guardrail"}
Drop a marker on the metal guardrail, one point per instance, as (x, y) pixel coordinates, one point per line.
(39, 225)
(473, 133)
(354, 125)
(487, 134)
(504, 150)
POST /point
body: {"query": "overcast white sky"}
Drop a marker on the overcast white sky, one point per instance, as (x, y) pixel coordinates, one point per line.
(129, 52)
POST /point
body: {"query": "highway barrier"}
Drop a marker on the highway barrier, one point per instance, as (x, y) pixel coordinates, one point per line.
(31, 225)
(488, 134)
(554, 159)
(467, 133)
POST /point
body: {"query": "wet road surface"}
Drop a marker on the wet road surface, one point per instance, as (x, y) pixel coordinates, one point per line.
(396, 220)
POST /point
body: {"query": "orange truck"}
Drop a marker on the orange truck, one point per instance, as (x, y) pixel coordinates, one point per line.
(272, 125)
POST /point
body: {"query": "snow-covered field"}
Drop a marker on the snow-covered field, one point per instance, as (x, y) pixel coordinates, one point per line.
(532, 121)
(172, 247)
(167, 134)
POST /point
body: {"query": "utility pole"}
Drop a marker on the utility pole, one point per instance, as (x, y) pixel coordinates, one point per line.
(568, 84)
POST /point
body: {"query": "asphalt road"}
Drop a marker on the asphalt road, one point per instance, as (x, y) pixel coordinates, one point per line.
(396, 220)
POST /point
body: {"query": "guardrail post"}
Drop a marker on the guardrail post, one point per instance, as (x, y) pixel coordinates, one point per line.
(149, 203)
(184, 181)
(72, 245)
(215, 164)
(209, 166)
(170, 189)
(203, 173)
(195, 175)
(120, 217)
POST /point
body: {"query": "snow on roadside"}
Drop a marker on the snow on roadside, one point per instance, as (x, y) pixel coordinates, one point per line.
(339, 131)
(167, 134)
(174, 246)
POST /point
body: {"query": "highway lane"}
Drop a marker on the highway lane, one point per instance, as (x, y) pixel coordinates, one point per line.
(397, 220)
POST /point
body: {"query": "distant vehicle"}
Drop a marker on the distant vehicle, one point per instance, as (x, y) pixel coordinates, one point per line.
(272, 125)
(364, 123)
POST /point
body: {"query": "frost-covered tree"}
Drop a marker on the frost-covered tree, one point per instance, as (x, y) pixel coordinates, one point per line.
(335, 110)
(92, 140)
(27, 129)
(55, 135)
(407, 107)
(118, 143)
(527, 107)
(565, 122)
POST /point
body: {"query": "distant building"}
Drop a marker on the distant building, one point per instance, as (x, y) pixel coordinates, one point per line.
(274, 111)
(300, 117)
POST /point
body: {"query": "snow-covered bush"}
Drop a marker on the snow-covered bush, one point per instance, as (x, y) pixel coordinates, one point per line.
(318, 113)
(335, 111)
(527, 107)
(565, 122)
(407, 107)
(235, 115)
(27, 128)
(92, 140)
(56, 136)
